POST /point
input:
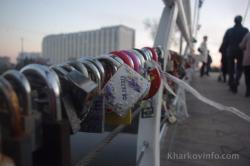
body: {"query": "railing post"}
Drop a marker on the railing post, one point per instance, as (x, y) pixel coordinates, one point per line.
(149, 128)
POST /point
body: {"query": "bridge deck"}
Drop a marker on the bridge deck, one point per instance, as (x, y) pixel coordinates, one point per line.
(208, 130)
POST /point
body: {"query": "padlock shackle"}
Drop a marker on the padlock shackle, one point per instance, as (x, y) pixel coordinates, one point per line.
(94, 74)
(126, 59)
(110, 63)
(99, 66)
(50, 78)
(13, 107)
(147, 53)
(153, 52)
(118, 59)
(135, 59)
(160, 52)
(146, 57)
(79, 67)
(59, 70)
(156, 80)
(22, 87)
(140, 56)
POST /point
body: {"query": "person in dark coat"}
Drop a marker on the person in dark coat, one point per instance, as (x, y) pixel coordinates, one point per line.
(231, 41)
(223, 51)
(245, 45)
(209, 62)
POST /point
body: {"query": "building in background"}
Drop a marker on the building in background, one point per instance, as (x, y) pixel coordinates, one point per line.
(5, 64)
(62, 47)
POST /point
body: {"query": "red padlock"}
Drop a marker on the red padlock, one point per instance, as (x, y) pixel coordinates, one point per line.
(155, 78)
(126, 59)
(135, 59)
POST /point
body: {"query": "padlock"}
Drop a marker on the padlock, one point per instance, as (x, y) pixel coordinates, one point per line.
(153, 52)
(22, 88)
(126, 59)
(110, 66)
(94, 121)
(80, 67)
(45, 87)
(155, 78)
(98, 65)
(77, 92)
(119, 60)
(67, 67)
(160, 52)
(12, 117)
(147, 53)
(93, 72)
(138, 54)
(145, 56)
(60, 70)
(135, 59)
(124, 89)
(115, 60)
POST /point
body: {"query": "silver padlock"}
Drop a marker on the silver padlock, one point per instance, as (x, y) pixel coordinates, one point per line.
(22, 87)
(110, 65)
(59, 70)
(147, 53)
(76, 94)
(118, 59)
(93, 72)
(80, 67)
(67, 67)
(9, 101)
(23, 90)
(97, 64)
(145, 56)
(45, 83)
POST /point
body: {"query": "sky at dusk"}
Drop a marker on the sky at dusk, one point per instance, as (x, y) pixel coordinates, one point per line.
(33, 19)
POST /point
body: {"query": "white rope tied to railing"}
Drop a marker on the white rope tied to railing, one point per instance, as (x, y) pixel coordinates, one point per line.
(212, 103)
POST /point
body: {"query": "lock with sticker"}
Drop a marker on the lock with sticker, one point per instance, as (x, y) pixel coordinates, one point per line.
(124, 89)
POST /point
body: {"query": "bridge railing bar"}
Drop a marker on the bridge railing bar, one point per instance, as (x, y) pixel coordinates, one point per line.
(175, 12)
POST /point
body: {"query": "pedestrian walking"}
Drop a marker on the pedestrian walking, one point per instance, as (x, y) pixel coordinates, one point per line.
(224, 66)
(204, 55)
(209, 62)
(245, 45)
(231, 40)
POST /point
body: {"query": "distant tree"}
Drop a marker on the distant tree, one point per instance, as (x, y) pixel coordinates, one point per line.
(152, 26)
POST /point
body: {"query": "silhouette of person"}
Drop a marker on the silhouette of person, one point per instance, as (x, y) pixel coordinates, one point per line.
(209, 62)
(224, 66)
(204, 55)
(231, 41)
(245, 45)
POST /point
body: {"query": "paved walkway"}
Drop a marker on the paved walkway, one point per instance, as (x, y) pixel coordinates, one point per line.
(208, 130)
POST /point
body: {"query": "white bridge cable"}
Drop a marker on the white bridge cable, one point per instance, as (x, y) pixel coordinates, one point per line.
(212, 103)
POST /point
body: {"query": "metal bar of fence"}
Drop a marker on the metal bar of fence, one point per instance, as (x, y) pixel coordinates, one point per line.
(86, 160)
